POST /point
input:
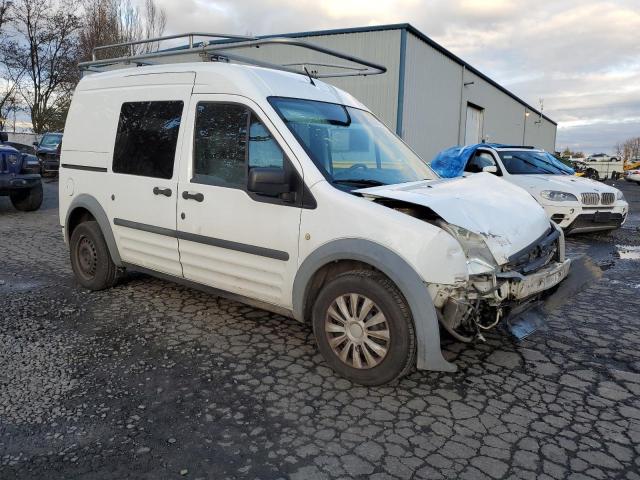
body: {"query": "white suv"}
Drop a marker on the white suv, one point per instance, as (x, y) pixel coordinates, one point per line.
(286, 193)
(576, 204)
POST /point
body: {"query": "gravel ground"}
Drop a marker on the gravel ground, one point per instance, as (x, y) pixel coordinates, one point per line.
(154, 380)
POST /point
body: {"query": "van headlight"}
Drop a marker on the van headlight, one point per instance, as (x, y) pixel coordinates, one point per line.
(479, 257)
(557, 196)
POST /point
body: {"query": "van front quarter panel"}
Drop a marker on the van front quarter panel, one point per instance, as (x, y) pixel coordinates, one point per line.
(423, 312)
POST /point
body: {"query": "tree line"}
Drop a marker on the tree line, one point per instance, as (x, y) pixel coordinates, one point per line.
(629, 150)
(42, 42)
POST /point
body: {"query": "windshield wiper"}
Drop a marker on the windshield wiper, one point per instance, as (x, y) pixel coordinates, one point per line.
(360, 181)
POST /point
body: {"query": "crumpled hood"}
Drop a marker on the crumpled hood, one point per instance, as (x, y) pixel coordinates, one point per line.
(563, 183)
(506, 216)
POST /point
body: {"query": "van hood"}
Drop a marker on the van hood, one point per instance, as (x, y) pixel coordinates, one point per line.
(564, 183)
(505, 215)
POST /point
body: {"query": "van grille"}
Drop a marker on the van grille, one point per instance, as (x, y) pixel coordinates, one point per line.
(537, 255)
(608, 198)
(590, 198)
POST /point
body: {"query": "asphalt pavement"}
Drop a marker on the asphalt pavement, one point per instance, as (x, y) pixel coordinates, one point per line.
(155, 380)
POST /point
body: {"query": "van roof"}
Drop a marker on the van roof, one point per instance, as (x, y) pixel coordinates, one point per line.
(221, 77)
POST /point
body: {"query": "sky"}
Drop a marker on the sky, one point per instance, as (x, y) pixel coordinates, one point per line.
(581, 56)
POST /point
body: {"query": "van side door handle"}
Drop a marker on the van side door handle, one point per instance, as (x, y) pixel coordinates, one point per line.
(198, 197)
(162, 191)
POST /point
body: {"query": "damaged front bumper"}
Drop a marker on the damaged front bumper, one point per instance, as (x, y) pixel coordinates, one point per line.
(478, 304)
(524, 286)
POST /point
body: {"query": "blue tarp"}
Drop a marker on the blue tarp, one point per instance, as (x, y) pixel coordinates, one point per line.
(450, 163)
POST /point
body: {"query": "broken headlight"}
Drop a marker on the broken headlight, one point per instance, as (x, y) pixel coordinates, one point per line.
(479, 257)
(557, 196)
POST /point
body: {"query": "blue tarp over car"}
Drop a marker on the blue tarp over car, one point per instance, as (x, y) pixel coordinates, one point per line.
(450, 163)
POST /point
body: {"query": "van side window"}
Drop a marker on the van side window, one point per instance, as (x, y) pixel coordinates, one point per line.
(146, 138)
(263, 149)
(229, 139)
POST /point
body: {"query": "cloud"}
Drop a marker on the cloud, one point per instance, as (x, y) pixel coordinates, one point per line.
(581, 56)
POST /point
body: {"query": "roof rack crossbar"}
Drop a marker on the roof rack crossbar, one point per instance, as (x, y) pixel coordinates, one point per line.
(362, 67)
(189, 35)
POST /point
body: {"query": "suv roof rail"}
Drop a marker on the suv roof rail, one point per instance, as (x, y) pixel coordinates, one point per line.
(218, 50)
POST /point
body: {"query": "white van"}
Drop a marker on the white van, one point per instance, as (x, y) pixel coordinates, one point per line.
(284, 192)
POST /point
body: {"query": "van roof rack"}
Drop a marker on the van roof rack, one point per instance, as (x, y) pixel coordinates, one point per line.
(217, 49)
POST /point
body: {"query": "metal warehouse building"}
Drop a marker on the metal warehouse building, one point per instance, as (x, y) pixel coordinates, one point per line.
(429, 96)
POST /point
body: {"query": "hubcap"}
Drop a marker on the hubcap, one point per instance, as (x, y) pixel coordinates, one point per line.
(87, 257)
(357, 331)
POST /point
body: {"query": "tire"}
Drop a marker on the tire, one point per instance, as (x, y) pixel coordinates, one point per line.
(90, 257)
(27, 200)
(363, 362)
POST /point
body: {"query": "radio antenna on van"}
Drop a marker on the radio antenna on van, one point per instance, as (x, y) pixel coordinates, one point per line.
(217, 47)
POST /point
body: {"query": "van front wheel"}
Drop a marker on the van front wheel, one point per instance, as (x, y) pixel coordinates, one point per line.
(90, 258)
(363, 328)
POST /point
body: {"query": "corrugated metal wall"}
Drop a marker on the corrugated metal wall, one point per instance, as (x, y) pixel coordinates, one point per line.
(436, 99)
(378, 92)
(431, 110)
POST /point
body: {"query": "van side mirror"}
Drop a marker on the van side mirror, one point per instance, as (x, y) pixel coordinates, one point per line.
(4, 137)
(490, 169)
(269, 181)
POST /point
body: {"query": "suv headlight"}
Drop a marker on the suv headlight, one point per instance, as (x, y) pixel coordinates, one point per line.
(557, 196)
(12, 158)
(620, 195)
(479, 257)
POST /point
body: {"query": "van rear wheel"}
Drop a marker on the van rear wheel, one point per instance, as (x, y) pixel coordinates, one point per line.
(363, 328)
(90, 257)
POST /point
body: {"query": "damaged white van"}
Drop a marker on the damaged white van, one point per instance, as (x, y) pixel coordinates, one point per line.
(284, 192)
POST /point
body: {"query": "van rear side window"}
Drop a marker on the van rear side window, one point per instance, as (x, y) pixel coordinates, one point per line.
(147, 137)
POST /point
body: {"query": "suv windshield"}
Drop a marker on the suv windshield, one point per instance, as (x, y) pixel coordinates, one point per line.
(350, 146)
(51, 140)
(519, 162)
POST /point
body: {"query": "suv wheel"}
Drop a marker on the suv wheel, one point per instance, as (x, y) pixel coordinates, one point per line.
(27, 200)
(90, 258)
(364, 328)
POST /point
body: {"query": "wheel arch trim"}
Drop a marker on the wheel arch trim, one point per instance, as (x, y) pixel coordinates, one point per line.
(411, 285)
(92, 205)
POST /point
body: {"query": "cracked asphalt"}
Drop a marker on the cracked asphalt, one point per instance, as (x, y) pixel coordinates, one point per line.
(155, 380)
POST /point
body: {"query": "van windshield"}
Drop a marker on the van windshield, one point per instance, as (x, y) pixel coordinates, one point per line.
(350, 146)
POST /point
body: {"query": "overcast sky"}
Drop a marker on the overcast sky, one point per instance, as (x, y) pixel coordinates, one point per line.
(581, 56)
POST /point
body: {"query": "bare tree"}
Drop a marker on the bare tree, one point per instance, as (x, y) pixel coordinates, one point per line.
(119, 21)
(5, 12)
(44, 48)
(155, 21)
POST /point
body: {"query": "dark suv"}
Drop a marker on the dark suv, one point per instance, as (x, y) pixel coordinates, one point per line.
(19, 178)
(48, 152)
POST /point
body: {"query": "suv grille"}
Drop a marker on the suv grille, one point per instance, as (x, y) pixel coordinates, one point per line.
(608, 198)
(590, 198)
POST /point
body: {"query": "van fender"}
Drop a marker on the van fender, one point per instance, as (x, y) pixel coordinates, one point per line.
(90, 203)
(429, 354)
